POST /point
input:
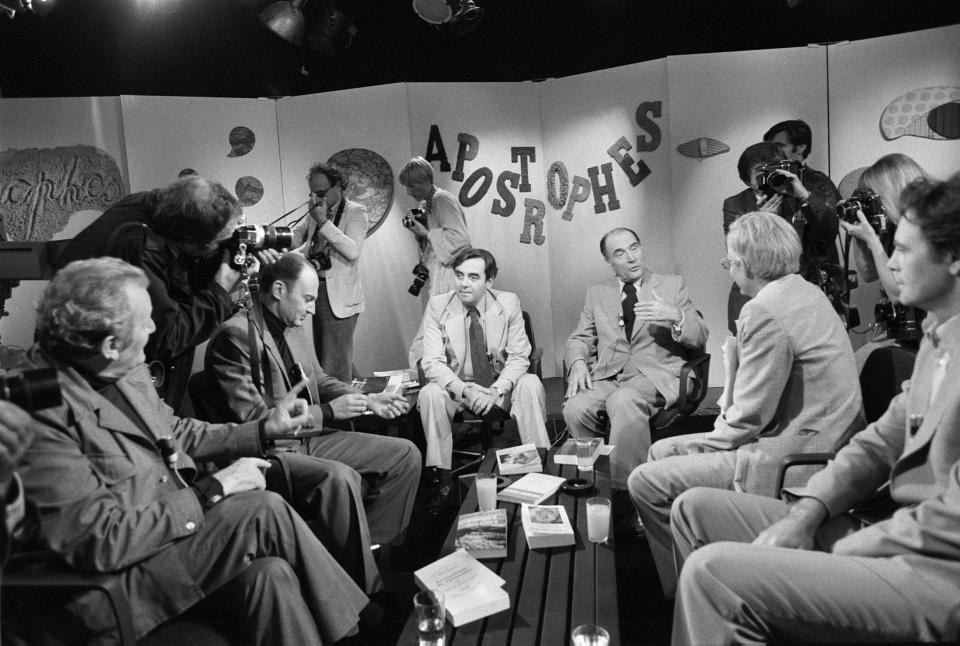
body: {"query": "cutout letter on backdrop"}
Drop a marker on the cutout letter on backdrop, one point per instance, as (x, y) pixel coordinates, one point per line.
(525, 154)
(625, 161)
(435, 142)
(481, 173)
(505, 208)
(559, 170)
(645, 145)
(469, 147)
(606, 189)
(580, 193)
(533, 219)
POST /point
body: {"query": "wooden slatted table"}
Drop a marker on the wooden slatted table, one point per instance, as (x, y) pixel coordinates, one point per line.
(551, 590)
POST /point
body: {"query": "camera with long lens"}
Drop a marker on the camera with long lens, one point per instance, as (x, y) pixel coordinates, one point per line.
(870, 203)
(415, 215)
(250, 238)
(769, 181)
(420, 276)
(32, 389)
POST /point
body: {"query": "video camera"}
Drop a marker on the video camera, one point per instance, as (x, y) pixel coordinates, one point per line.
(872, 206)
(421, 274)
(769, 181)
(32, 389)
(902, 322)
(249, 238)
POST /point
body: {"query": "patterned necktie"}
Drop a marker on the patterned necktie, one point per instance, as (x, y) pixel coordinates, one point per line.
(629, 316)
(482, 371)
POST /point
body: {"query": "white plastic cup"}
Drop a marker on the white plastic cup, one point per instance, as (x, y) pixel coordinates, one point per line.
(586, 447)
(589, 635)
(428, 606)
(598, 519)
(486, 491)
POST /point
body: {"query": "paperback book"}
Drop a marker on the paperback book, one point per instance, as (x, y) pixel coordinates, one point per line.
(471, 591)
(531, 489)
(483, 534)
(519, 459)
(546, 526)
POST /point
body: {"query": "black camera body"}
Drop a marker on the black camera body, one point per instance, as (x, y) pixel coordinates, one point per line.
(769, 181)
(872, 206)
(415, 215)
(32, 389)
(902, 322)
(420, 274)
(249, 238)
(321, 260)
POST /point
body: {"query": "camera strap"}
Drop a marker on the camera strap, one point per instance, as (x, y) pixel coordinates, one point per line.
(315, 246)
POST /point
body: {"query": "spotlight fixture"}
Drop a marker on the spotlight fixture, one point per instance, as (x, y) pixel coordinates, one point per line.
(285, 19)
(459, 16)
(9, 8)
(335, 30)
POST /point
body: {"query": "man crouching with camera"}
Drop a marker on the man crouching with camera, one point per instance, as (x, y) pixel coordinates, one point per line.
(175, 235)
(778, 182)
(109, 500)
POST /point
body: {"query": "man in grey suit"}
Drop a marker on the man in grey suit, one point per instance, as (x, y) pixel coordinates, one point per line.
(355, 489)
(811, 573)
(633, 328)
(795, 389)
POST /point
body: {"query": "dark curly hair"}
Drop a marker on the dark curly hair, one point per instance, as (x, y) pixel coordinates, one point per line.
(334, 175)
(934, 206)
(193, 210)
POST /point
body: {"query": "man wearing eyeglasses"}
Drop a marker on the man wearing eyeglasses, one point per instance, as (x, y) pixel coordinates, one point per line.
(332, 238)
(795, 388)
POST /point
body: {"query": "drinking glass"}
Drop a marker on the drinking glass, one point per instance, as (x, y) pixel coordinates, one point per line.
(487, 491)
(598, 519)
(428, 604)
(586, 448)
(589, 635)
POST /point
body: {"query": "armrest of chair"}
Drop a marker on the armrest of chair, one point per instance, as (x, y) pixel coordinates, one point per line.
(45, 570)
(536, 359)
(687, 402)
(799, 459)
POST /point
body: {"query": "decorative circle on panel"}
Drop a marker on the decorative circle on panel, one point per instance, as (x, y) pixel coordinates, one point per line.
(249, 190)
(369, 182)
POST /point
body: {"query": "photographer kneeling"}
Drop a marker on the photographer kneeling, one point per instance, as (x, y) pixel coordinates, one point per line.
(175, 234)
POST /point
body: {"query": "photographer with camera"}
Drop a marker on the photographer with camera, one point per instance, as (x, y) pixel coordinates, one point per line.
(871, 217)
(779, 183)
(177, 236)
(332, 239)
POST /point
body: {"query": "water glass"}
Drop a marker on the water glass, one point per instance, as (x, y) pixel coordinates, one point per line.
(587, 448)
(589, 635)
(598, 519)
(487, 491)
(428, 606)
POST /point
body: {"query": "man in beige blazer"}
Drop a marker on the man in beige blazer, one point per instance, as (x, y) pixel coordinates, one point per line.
(332, 238)
(635, 345)
(810, 574)
(795, 389)
(490, 372)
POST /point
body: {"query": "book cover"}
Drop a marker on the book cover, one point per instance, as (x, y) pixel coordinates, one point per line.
(531, 489)
(483, 534)
(567, 453)
(471, 591)
(546, 526)
(519, 459)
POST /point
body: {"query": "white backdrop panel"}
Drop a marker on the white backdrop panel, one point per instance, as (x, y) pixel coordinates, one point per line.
(582, 116)
(865, 76)
(51, 123)
(314, 127)
(734, 98)
(500, 116)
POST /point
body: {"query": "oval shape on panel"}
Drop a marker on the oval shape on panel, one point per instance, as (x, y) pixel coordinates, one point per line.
(249, 190)
(242, 140)
(702, 147)
(369, 182)
(930, 112)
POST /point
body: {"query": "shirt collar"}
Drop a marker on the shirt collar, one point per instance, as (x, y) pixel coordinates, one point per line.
(947, 332)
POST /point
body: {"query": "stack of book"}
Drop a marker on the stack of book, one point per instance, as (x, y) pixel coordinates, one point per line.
(483, 534)
(519, 459)
(546, 526)
(531, 489)
(470, 590)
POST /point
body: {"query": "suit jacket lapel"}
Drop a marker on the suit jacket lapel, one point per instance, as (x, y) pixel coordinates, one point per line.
(645, 293)
(935, 407)
(611, 304)
(453, 324)
(495, 324)
(109, 416)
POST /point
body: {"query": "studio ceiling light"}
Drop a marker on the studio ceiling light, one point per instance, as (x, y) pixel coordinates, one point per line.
(285, 19)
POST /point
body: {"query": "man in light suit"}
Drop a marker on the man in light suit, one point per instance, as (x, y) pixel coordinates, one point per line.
(811, 574)
(633, 328)
(332, 238)
(355, 489)
(475, 355)
(795, 389)
(108, 501)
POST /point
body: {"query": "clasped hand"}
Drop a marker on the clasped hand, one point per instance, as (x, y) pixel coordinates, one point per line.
(480, 400)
